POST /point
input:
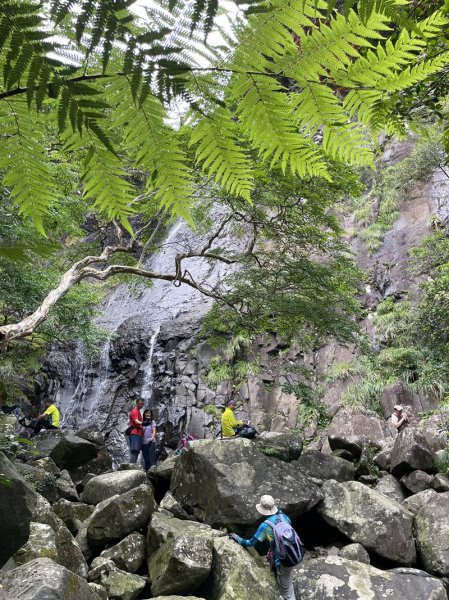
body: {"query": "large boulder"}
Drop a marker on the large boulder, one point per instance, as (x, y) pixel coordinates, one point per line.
(411, 452)
(238, 573)
(415, 502)
(128, 554)
(170, 504)
(220, 481)
(355, 552)
(72, 451)
(17, 502)
(43, 579)
(179, 554)
(102, 463)
(40, 544)
(389, 486)
(117, 583)
(323, 466)
(432, 534)
(44, 483)
(335, 577)
(65, 487)
(164, 469)
(69, 553)
(120, 515)
(352, 428)
(74, 514)
(369, 518)
(284, 446)
(104, 486)
(417, 481)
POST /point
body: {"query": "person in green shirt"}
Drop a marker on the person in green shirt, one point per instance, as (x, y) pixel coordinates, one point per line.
(49, 419)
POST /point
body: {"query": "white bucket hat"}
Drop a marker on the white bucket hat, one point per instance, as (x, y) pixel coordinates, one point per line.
(398, 407)
(267, 506)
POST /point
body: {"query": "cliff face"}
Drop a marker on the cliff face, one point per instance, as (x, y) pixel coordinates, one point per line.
(155, 351)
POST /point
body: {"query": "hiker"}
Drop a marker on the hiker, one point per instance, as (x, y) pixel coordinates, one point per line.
(49, 419)
(399, 418)
(136, 433)
(277, 525)
(230, 427)
(149, 439)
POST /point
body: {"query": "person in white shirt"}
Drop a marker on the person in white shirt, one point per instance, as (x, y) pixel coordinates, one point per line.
(399, 418)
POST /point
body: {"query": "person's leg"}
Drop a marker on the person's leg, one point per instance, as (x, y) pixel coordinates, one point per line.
(152, 454)
(40, 423)
(146, 455)
(285, 581)
(135, 445)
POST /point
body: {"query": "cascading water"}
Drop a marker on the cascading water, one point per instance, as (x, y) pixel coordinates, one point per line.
(103, 393)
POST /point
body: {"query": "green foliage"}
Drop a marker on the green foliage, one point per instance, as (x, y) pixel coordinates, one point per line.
(104, 81)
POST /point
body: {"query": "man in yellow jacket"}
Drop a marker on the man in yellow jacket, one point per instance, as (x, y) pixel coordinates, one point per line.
(228, 421)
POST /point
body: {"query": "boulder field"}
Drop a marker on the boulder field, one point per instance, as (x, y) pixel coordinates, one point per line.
(372, 514)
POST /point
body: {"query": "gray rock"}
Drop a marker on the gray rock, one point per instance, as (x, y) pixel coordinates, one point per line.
(415, 502)
(239, 573)
(389, 486)
(382, 460)
(92, 434)
(441, 482)
(117, 583)
(177, 598)
(417, 481)
(335, 577)
(43, 579)
(316, 464)
(44, 483)
(342, 453)
(43, 513)
(128, 554)
(73, 514)
(369, 518)
(72, 451)
(40, 544)
(164, 469)
(355, 552)
(220, 481)
(352, 428)
(99, 590)
(65, 487)
(81, 540)
(285, 446)
(120, 515)
(17, 502)
(170, 504)
(48, 465)
(105, 486)
(69, 553)
(102, 463)
(411, 452)
(432, 534)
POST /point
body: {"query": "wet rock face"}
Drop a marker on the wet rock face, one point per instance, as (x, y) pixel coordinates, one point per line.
(369, 518)
(17, 502)
(220, 482)
(335, 577)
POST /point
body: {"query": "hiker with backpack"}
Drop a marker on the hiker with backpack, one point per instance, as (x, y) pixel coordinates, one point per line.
(286, 550)
(230, 427)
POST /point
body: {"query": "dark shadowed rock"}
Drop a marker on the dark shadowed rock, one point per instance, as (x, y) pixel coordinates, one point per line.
(382, 460)
(441, 483)
(91, 434)
(17, 502)
(72, 451)
(41, 481)
(102, 463)
(411, 452)
(322, 466)
(220, 481)
(369, 518)
(104, 486)
(415, 502)
(335, 577)
(432, 534)
(389, 486)
(417, 481)
(118, 516)
(66, 488)
(170, 504)
(128, 554)
(43, 579)
(285, 446)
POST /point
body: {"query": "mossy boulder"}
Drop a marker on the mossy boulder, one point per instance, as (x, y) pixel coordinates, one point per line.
(40, 544)
(105, 486)
(432, 534)
(128, 554)
(117, 583)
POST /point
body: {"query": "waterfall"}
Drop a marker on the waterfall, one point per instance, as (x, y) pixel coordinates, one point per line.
(147, 384)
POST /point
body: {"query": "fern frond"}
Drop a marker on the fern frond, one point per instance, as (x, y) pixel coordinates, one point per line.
(155, 148)
(264, 111)
(221, 154)
(25, 162)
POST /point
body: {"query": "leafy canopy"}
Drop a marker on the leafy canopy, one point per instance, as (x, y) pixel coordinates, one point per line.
(295, 82)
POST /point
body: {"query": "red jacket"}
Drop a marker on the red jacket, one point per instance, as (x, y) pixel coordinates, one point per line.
(134, 416)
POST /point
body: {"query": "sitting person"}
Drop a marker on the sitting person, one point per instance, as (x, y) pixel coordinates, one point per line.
(230, 427)
(49, 419)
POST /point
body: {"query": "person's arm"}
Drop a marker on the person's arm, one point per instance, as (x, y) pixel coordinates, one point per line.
(135, 421)
(45, 414)
(259, 536)
(154, 432)
(234, 423)
(397, 422)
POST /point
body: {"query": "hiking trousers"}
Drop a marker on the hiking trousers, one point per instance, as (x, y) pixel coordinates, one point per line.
(285, 581)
